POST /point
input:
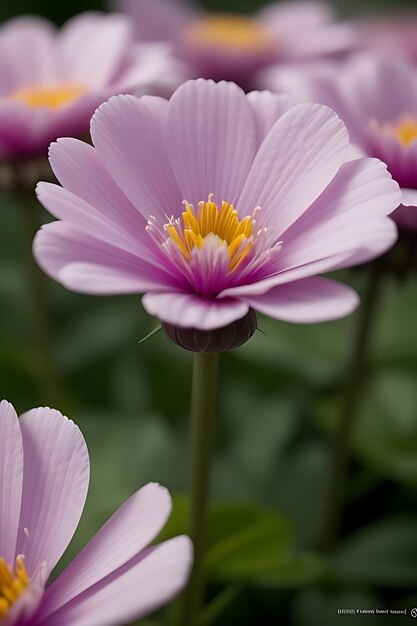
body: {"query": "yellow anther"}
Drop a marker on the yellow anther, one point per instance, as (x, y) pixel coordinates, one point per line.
(51, 97)
(231, 31)
(13, 584)
(210, 220)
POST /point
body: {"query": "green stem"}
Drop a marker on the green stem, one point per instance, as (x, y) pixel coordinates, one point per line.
(42, 318)
(203, 407)
(340, 458)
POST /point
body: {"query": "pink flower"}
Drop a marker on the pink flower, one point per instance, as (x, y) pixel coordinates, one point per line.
(377, 98)
(214, 203)
(52, 81)
(394, 35)
(116, 578)
(234, 46)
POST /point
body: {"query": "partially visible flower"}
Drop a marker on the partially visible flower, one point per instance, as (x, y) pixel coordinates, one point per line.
(234, 46)
(391, 34)
(215, 203)
(116, 578)
(377, 98)
(52, 81)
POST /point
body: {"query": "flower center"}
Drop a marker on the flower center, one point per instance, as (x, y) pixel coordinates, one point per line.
(13, 583)
(52, 97)
(231, 31)
(405, 129)
(192, 230)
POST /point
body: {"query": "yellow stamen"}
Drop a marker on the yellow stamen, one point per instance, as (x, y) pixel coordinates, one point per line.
(231, 31)
(405, 129)
(209, 219)
(52, 97)
(13, 583)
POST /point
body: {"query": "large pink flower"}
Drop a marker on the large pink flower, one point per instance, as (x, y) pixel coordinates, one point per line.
(52, 81)
(234, 46)
(213, 203)
(116, 578)
(377, 98)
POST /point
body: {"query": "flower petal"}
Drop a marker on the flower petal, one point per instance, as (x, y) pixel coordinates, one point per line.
(79, 169)
(298, 159)
(211, 138)
(55, 484)
(157, 20)
(144, 584)
(131, 143)
(89, 265)
(268, 108)
(93, 47)
(191, 311)
(335, 230)
(306, 301)
(28, 43)
(136, 523)
(11, 478)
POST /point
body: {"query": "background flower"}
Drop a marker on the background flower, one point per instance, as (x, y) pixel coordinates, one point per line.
(391, 34)
(52, 81)
(233, 46)
(116, 578)
(299, 207)
(377, 98)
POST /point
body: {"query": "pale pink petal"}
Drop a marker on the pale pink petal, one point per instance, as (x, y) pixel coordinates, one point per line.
(64, 253)
(268, 108)
(292, 16)
(298, 159)
(306, 301)
(157, 20)
(79, 169)
(73, 210)
(334, 231)
(137, 522)
(192, 311)
(11, 477)
(55, 484)
(28, 43)
(144, 584)
(211, 139)
(306, 29)
(93, 47)
(131, 143)
(409, 197)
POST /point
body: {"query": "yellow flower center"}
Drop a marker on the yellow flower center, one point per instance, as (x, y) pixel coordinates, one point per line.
(405, 130)
(52, 97)
(232, 31)
(209, 219)
(13, 583)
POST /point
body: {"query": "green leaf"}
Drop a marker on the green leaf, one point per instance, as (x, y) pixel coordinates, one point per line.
(249, 544)
(385, 435)
(383, 554)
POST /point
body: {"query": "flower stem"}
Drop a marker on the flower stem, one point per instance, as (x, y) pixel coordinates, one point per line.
(42, 322)
(340, 458)
(203, 406)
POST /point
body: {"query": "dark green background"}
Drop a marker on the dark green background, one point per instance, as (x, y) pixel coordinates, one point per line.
(60, 11)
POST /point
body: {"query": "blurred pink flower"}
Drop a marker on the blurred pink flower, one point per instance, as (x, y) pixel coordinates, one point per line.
(116, 578)
(52, 81)
(150, 208)
(394, 35)
(233, 46)
(377, 99)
